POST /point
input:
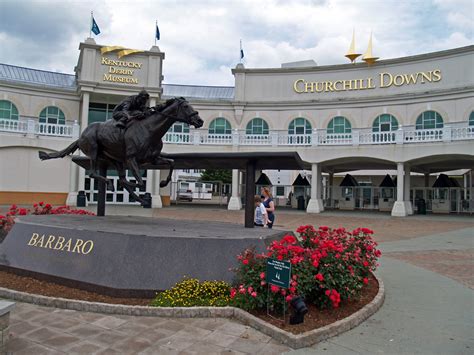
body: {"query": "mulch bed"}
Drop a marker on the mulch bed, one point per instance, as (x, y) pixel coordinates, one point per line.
(315, 318)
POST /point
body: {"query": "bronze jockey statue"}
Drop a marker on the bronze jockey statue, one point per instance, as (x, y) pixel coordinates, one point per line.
(133, 107)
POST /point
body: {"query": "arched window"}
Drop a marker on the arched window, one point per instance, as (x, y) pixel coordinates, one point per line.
(385, 123)
(53, 115)
(257, 126)
(339, 124)
(8, 110)
(429, 120)
(471, 119)
(220, 126)
(299, 125)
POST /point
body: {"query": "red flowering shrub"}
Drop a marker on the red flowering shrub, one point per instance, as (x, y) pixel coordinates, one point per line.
(328, 266)
(7, 221)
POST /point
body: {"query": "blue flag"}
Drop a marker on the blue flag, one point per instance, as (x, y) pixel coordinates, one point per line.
(241, 53)
(157, 35)
(95, 27)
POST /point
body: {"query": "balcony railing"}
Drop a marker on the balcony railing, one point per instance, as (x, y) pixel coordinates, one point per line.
(32, 127)
(405, 135)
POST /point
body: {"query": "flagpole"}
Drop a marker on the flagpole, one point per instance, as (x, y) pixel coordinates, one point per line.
(156, 25)
(240, 53)
(90, 27)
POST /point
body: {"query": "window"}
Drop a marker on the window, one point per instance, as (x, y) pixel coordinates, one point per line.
(471, 119)
(339, 124)
(385, 123)
(280, 190)
(299, 125)
(53, 115)
(220, 126)
(429, 120)
(179, 127)
(8, 110)
(100, 112)
(257, 126)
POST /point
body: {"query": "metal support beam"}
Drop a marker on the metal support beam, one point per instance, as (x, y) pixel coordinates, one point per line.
(102, 187)
(249, 193)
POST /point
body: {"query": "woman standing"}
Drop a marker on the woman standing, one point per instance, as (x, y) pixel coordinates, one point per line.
(269, 205)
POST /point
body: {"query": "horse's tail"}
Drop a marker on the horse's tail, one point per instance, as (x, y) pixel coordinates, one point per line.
(61, 154)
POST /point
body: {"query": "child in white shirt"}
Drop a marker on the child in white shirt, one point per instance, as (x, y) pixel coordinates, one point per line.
(261, 215)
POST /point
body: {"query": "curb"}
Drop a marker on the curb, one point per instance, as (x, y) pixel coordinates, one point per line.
(295, 341)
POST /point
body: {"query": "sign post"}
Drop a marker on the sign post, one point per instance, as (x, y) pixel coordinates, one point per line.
(278, 274)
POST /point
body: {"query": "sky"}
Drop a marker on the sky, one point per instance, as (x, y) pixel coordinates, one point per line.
(201, 38)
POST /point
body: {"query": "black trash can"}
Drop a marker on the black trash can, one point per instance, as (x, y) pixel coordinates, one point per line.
(147, 200)
(421, 206)
(81, 199)
(301, 204)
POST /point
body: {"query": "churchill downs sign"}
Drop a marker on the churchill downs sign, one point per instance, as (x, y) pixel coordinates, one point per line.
(383, 80)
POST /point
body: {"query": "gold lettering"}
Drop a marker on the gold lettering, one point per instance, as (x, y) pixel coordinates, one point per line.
(347, 84)
(382, 80)
(328, 85)
(49, 242)
(398, 83)
(425, 76)
(33, 239)
(59, 243)
(319, 87)
(370, 84)
(295, 86)
(361, 84)
(411, 78)
(79, 242)
(337, 82)
(39, 243)
(67, 245)
(308, 87)
(90, 248)
(437, 75)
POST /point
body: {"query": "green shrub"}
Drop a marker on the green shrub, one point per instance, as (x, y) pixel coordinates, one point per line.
(192, 293)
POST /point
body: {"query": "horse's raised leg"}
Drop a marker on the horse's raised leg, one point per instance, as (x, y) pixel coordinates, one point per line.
(94, 175)
(129, 186)
(170, 162)
(133, 165)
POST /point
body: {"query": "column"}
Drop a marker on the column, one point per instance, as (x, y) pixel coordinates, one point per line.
(406, 185)
(330, 188)
(315, 204)
(153, 187)
(249, 193)
(163, 192)
(80, 172)
(399, 207)
(73, 187)
(235, 203)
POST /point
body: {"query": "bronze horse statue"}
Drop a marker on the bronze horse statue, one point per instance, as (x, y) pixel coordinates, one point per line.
(140, 143)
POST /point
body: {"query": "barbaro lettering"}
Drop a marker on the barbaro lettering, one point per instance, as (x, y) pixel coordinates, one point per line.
(53, 242)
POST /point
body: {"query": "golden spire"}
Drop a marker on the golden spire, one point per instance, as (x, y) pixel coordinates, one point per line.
(351, 54)
(368, 57)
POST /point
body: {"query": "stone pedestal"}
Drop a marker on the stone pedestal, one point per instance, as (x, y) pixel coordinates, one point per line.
(235, 204)
(400, 209)
(315, 206)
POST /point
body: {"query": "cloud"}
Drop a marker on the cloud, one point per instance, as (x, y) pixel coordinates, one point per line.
(201, 38)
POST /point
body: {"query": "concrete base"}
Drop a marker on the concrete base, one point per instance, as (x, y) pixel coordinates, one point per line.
(400, 209)
(71, 199)
(315, 206)
(409, 208)
(156, 201)
(235, 204)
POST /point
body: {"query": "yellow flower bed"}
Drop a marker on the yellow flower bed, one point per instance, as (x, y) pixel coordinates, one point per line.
(192, 293)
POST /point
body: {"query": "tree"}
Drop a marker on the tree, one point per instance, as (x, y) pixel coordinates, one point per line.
(217, 175)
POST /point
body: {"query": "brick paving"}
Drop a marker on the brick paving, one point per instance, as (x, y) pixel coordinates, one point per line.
(43, 330)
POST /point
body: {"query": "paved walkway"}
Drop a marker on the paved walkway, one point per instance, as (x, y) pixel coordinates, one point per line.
(429, 307)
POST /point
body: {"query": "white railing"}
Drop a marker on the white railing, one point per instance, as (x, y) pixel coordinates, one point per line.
(31, 127)
(334, 138)
(424, 135)
(404, 135)
(13, 125)
(178, 138)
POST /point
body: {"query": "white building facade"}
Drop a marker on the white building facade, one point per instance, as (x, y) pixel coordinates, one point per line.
(413, 116)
